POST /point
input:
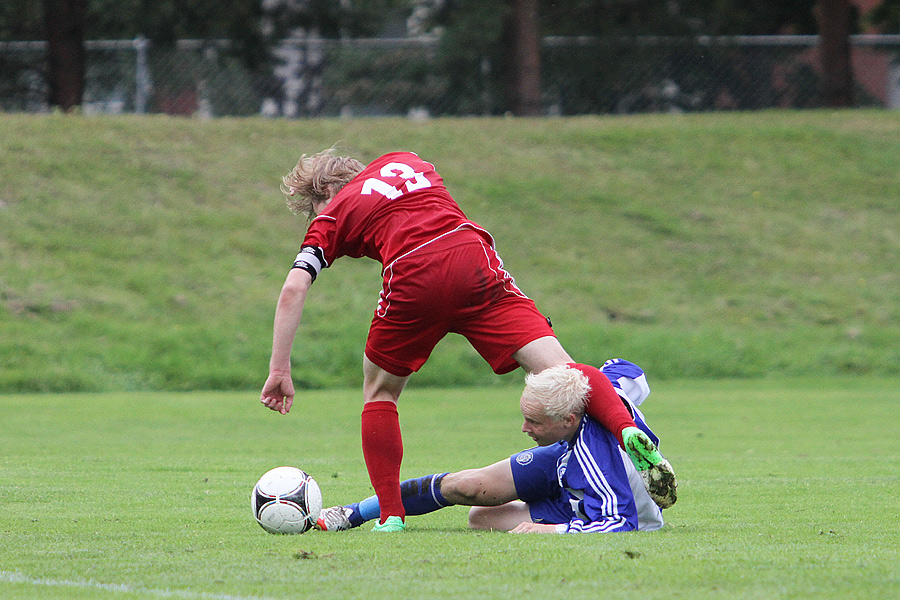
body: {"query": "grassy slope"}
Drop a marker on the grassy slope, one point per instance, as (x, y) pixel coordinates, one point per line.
(147, 253)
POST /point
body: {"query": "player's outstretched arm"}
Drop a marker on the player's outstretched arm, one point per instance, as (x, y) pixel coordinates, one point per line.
(278, 391)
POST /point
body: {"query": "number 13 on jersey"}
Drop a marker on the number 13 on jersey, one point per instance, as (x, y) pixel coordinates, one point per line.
(414, 181)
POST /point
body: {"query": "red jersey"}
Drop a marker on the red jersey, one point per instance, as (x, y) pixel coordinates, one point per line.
(396, 204)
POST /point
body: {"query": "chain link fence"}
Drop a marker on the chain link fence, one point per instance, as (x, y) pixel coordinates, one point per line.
(314, 77)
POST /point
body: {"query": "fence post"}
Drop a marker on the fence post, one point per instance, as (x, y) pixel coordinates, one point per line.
(893, 82)
(143, 85)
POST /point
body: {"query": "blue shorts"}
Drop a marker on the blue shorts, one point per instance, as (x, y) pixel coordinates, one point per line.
(535, 474)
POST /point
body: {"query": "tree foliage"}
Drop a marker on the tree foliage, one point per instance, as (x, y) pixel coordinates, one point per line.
(163, 20)
(752, 17)
(886, 16)
(475, 25)
(475, 48)
(678, 17)
(167, 20)
(22, 20)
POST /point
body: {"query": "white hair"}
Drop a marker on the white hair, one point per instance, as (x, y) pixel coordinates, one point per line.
(560, 390)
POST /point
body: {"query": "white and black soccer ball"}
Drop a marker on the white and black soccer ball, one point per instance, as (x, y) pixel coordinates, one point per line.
(286, 500)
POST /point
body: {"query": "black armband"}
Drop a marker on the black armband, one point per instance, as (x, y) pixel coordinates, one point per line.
(311, 260)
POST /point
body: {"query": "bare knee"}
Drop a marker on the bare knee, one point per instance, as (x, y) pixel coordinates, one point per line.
(488, 486)
(379, 385)
(499, 518)
(480, 518)
(465, 487)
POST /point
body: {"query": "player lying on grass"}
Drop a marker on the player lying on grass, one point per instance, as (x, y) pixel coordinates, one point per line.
(578, 479)
(441, 275)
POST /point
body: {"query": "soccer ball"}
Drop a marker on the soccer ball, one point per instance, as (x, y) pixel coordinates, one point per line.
(286, 500)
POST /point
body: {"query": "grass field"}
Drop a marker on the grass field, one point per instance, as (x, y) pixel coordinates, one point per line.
(787, 490)
(749, 262)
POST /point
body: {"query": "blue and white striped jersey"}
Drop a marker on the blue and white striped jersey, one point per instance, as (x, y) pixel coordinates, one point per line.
(605, 490)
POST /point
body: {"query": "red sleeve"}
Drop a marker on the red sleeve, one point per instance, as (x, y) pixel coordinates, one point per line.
(603, 402)
(322, 234)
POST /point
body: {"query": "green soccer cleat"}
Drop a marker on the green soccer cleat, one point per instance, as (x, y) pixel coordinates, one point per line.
(657, 473)
(390, 525)
(640, 448)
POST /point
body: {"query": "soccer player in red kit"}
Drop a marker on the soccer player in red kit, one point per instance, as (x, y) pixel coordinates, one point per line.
(441, 274)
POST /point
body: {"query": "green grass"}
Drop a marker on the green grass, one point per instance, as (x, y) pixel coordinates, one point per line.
(787, 490)
(146, 253)
(721, 252)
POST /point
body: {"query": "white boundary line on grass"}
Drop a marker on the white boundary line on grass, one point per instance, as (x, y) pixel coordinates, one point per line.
(16, 577)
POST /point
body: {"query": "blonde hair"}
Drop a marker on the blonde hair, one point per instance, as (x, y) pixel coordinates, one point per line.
(317, 178)
(560, 390)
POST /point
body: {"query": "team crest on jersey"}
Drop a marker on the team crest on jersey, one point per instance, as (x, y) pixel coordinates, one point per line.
(561, 465)
(524, 458)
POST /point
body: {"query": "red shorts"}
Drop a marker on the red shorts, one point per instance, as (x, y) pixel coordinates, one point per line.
(454, 284)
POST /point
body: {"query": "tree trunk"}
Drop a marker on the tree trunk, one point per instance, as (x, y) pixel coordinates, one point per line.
(524, 59)
(834, 17)
(64, 25)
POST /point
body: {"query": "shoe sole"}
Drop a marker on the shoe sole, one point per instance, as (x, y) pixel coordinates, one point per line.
(661, 484)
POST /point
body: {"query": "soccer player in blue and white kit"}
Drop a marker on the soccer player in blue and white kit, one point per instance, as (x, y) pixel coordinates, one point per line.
(577, 480)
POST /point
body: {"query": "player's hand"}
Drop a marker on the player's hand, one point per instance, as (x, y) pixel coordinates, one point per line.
(527, 527)
(278, 393)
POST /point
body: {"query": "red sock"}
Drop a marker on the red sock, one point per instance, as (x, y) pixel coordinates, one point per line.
(604, 404)
(382, 448)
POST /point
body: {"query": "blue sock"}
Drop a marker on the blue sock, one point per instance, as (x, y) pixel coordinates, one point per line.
(363, 511)
(423, 495)
(420, 496)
